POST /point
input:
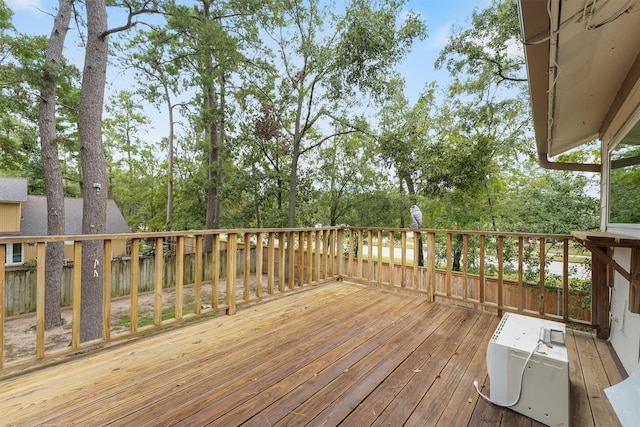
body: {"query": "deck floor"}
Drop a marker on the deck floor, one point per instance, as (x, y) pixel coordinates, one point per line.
(335, 354)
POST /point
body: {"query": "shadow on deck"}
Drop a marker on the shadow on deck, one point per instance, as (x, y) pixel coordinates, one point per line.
(334, 354)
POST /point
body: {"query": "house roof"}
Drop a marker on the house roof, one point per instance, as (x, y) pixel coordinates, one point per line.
(583, 67)
(13, 189)
(34, 217)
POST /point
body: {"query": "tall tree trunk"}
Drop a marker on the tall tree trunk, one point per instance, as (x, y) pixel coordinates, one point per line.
(51, 165)
(167, 98)
(94, 172)
(212, 185)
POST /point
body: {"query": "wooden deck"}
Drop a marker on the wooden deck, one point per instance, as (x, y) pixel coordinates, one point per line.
(333, 354)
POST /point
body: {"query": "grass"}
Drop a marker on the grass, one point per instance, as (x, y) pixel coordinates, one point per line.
(167, 313)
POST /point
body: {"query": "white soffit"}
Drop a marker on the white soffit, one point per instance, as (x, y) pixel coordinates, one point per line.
(589, 53)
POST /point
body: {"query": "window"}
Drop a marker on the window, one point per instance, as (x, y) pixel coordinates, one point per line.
(14, 254)
(624, 180)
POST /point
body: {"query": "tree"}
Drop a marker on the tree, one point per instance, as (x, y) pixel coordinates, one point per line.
(94, 170)
(326, 69)
(51, 163)
(159, 81)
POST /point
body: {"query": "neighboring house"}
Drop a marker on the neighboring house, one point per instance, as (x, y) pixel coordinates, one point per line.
(24, 215)
(583, 64)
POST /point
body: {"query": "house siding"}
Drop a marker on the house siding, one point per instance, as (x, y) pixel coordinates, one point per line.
(10, 217)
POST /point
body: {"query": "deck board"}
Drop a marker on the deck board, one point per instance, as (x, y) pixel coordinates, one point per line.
(335, 354)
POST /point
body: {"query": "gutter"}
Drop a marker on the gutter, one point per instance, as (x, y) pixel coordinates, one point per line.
(543, 160)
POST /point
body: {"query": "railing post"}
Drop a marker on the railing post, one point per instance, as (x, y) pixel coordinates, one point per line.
(3, 257)
(77, 295)
(40, 300)
(247, 266)
(232, 245)
(482, 290)
(317, 248)
(133, 285)
(449, 264)
(271, 266)
(520, 275)
(500, 255)
(309, 257)
(542, 276)
(340, 254)
(350, 269)
(282, 252)
(431, 265)
(360, 251)
(379, 257)
(157, 287)
(465, 261)
(370, 271)
(106, 291)
(416, 239)
(565, 280)
(259, 263)
(300, 258)
(291, 249)
(215, 272)
(198, 279)
(403, 262)
(179, 276)
(392, 258)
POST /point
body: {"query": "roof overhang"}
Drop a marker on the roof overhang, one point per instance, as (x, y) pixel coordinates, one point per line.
(583, 67)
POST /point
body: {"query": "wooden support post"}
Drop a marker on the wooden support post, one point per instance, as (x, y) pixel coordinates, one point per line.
(198, 279)
(247, 266)
(40, 299)
(215, 272)
(106, 291)
(232, 246)
(403, 259)
(134, 283)
(449, 263)
(340, 254)
(291, 250)
(520, 273)
(360, 251)
(77, 295)
(500, 274)
(157, 286)
(282, 252)
(271, 263)
(482, 290)
(3, 257)
(600, 294)
(542, 276)
(431, 265)
(300, 258)
(259, 263)
(179, 277)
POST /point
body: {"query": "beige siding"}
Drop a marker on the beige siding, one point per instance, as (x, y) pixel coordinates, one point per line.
(9, 217)
(118, 248)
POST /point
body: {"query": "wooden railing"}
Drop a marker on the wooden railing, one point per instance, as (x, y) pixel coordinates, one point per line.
(243, 266)
(491, 271)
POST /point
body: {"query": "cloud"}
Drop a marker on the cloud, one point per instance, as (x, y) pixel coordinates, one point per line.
(24, 4)
(439, 38)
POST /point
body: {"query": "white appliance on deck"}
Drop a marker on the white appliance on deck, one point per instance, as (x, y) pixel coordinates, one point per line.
(529, 368)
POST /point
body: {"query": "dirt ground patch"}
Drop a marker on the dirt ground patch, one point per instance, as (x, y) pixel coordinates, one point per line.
(20, 331)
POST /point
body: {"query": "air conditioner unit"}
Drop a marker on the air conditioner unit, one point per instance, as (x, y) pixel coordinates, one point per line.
(529, 369)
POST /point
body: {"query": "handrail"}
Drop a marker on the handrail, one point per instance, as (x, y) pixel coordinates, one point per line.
(492, 271)
(489, 286)
(230, 275)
